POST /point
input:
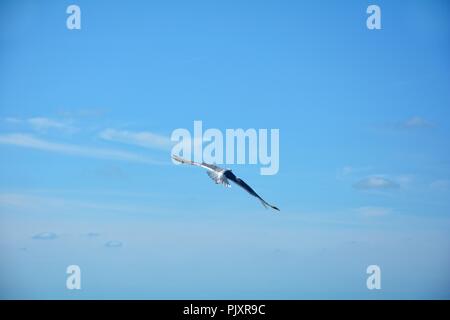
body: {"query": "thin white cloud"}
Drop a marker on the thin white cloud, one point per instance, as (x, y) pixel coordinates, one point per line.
(93, 234)
(94, 112)
(414, 123)
(113, 244)
(13, 120)
(42, 124)
(143, 139)
(442, 184)
(417, 122)
(404, 180)
(29, 141)
(45, 236)
(374, 183)
(348, 171)
(369, 211)
(30, 202)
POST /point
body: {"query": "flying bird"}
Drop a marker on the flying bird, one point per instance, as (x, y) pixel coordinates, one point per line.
(223, 176)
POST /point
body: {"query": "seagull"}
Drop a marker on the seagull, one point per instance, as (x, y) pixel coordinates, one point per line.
(223, 176)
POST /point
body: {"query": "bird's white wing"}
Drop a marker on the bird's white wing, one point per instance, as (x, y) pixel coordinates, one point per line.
(209, 167)
(218, 178)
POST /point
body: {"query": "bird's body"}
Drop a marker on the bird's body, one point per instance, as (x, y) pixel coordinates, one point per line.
(224, 176)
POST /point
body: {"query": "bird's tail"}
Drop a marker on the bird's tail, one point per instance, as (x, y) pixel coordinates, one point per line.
(266, 204)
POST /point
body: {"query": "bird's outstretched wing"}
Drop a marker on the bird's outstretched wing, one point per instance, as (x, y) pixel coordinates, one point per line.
(241, 183)
(207, 166)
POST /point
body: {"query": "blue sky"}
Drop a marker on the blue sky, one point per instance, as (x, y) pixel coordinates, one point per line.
(85, 171)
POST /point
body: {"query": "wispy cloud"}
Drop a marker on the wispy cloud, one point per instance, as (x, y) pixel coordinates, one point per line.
(403, 180)
(348, 170)
(113, 244)
(29, 141)
(416, 122)
(92, 234)
(82, 112)
(30, 202)
(441, 184)
(143, 139)
(45, 236)
(375, 183)
(13, 120)
(43, 124)
(369, 211)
